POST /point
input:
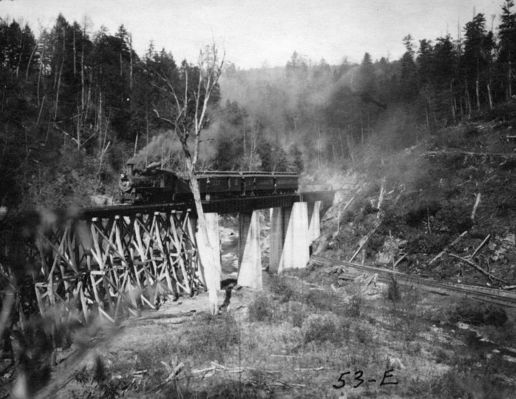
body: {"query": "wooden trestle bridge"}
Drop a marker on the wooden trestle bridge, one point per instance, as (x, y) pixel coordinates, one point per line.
(113, 260)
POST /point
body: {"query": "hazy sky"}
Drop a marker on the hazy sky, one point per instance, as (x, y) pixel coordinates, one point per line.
(253, 32)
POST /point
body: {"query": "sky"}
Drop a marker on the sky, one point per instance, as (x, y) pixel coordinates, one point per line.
(254, 33)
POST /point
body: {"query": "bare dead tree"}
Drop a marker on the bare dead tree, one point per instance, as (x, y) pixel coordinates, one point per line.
(187, 117)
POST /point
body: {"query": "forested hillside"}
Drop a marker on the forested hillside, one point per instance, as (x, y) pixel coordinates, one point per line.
(76, 104)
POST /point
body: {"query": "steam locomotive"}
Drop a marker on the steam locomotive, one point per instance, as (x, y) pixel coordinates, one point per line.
(156, 185)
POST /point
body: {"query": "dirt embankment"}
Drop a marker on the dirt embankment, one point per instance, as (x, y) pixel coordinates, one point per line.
(445, 208)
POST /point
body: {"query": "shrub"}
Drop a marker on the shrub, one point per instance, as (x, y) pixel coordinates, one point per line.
(297, 313)
(393, 291)
(280, 287)
(321, 300)
(460, 384)
(261, 309)
(476, 313)
(505, 335)
(441, 356)
(323, 327)
(421, 211)
(363, 335)
(355, 305)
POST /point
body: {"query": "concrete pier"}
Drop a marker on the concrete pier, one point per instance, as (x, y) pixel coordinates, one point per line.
(250, 259)
(296, 253)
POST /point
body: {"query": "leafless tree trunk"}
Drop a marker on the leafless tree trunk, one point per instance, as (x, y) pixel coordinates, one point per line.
(19, 56)
(40, 110)
(83, 100)
(319, 147)
(351, 148)
(489, 96)
(477, 87)
(252, 150)
(130, 38)
(509, 80)
(188, 123)
(341, 145)
(39, 72)
(147, 136)
(59, 77)
(79, 127)
(453, 103)
(27, 70)
(74, 54)
(468, 100)
(57, 89)
(135, 144)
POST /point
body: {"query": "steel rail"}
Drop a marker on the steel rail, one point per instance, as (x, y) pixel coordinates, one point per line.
(492, 295)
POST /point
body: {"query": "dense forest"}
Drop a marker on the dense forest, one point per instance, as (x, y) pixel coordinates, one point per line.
(76, 105)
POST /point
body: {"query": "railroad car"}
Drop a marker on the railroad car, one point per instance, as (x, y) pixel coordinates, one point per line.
(156, 185)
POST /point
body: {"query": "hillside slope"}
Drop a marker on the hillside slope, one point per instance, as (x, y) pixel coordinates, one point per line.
(454, 191)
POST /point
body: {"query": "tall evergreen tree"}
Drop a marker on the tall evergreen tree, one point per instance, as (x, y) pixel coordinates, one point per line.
(366, 76)
(507, 44)
(477, 59)
(408, 74)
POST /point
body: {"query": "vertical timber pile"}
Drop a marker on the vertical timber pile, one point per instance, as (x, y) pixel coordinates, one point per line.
(115, 264)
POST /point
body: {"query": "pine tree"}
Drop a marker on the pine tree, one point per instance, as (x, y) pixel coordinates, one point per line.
(408, 74)
(477, 59)
(366, 76)
(507, 45)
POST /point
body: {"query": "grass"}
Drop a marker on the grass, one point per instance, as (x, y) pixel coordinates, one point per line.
(295, 341)
(216, 338)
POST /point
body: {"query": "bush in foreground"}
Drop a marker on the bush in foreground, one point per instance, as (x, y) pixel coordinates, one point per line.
(323, 327)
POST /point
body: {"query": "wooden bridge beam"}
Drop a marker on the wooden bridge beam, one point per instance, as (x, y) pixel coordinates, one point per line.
(114, 263)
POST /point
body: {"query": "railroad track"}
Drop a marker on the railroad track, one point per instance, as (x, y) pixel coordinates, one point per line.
(484, 294)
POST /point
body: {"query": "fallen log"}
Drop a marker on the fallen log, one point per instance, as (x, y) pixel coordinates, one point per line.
(483, 294)
(448, 247)
(475, 206)
(480, 246)
(398, 261)
(380, 198)
(477, 267)
(364, 240)
(506, 155)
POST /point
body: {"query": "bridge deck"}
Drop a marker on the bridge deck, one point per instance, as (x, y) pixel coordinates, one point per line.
(221, 206)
